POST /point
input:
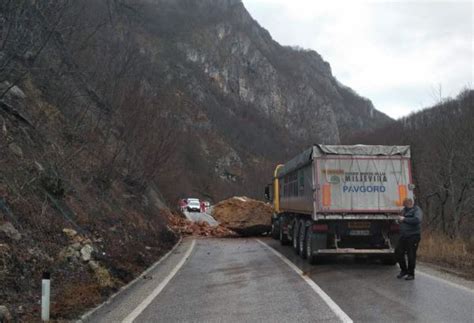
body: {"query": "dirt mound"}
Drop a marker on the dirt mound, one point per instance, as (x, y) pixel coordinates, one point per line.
(243, 215)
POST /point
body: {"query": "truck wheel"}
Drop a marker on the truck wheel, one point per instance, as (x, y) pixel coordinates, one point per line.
(302, 239)
(312, 258)
(296, 240)
(283, 237)
(275, 229)
(389, 260)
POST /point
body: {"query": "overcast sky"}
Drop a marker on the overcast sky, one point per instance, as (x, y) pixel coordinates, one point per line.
(396, 53)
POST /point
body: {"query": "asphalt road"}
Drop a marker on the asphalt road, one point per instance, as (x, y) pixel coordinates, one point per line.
(368, 291)
(242, 280)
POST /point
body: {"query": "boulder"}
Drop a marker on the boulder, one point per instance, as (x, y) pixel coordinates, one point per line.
(101, 274)
(69, 253)
(17, 92)
(76, 246)
(86, 252)
(9, 230)
(69, 232)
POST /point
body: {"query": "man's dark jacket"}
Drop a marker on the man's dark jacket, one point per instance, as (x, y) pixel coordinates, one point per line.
(411, 225)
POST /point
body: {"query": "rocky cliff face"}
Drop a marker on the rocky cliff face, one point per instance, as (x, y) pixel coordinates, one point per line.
(283, 99)
(293, 88)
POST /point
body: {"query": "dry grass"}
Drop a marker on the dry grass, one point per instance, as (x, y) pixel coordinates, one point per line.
(442, 250)
(75, 298)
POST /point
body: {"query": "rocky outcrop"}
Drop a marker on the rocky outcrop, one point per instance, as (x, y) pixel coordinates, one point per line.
(260, 102)
(294, 88)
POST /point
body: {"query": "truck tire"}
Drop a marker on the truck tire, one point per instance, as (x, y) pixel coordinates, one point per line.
(296, 240)
(283, 237)
(276, 229)
(302, 239)
(312, 259)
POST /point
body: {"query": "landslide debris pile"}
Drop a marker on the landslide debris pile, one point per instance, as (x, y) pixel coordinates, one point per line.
(202, 228)
(245, 216)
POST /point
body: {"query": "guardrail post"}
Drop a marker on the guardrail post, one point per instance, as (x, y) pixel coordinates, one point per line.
(45, 296)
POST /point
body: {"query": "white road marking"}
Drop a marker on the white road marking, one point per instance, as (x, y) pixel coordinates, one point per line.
(332, 305)
(419, 272)
(140, 308)
(130, 284)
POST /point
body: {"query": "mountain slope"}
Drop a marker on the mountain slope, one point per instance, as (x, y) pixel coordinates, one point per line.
(265, 101)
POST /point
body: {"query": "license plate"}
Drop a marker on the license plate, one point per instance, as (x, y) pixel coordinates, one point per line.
(359, 233)
(359, 225)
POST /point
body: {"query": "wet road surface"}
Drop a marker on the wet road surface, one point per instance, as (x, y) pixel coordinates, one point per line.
(368, 291)
(241, 280)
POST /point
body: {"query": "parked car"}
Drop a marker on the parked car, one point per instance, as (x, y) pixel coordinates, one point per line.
(193, 205)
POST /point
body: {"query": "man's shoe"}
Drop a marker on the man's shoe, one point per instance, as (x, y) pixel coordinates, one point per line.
(409, 277)
(401, 274)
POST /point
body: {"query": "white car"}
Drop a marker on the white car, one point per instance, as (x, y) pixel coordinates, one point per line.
(194, 205)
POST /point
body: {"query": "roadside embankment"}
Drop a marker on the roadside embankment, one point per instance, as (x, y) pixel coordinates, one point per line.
(452, 254)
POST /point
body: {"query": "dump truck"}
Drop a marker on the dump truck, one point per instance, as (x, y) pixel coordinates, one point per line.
(341, 199)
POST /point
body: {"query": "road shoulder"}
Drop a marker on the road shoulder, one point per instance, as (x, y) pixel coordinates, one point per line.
(129, 297)
(442, 274)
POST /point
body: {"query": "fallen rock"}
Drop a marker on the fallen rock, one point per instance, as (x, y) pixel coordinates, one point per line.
(70, 232)
(244, 215)
(101, 274)
(16, 149)
(79, 239)
(69, 253)
(76, 246)
(9, 230)
(86, 252)
(17, 92)
(184, 226)
(5, 315)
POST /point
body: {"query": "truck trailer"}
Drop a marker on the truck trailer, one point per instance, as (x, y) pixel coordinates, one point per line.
(341, 199)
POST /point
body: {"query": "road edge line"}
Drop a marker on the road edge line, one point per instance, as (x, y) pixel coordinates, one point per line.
(144, 304)
(130, 284)
(328, 300)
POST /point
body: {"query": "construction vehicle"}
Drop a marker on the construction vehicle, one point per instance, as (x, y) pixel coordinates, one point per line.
(337, 199)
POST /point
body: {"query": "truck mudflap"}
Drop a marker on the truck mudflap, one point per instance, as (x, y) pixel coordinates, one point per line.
(353, 251)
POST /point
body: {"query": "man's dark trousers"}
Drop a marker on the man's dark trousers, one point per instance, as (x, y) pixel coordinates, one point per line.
(407, 245)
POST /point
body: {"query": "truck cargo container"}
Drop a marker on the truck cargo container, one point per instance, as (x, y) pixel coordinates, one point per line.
(337, 199)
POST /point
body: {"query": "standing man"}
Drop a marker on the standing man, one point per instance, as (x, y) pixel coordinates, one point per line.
(410, 235)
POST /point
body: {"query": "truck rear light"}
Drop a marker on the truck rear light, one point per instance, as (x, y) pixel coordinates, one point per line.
(320, 228)
(394, 227)
(327, 195)
(402, 194)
